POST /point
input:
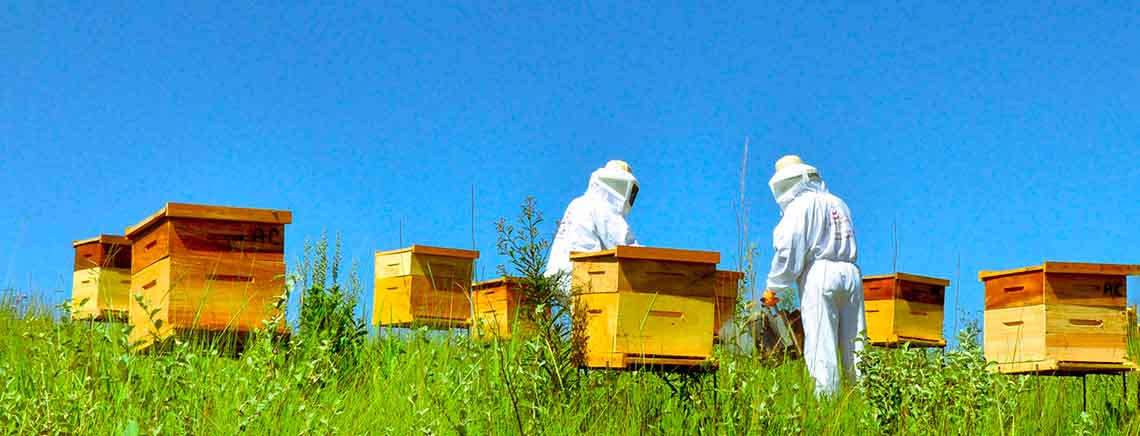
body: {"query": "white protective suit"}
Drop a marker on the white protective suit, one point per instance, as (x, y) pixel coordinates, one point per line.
(815, 249)
(595, 221)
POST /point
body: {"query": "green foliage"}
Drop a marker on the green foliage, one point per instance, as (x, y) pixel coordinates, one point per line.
(328, 308)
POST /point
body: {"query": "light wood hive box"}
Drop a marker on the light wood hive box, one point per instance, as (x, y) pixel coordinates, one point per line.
(423, 285)
(644, 306)
(1058, 317)
(500, 308)
(904, 308)
(726, 290)
(211, 269)
(101, 280)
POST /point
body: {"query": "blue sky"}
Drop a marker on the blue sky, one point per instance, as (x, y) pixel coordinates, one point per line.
(1006, 135)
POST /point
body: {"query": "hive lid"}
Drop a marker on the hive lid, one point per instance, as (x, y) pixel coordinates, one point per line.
(221, 213)
(911, 278)
(496, 282)
(652, 253)
(434, 251)
(730, 275)
(103, 239)
(1068, 268)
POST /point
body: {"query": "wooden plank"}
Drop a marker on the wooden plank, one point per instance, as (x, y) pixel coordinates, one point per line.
(921, 292)
(934, 281)
(984, 275)
(918, 322)
(103, 239)
(203, 237)
(666, 277)
(1054, 367)
(1091, 268)
(593, 275)
(1014, 290)
(102, 252)
(100, 293)
(879, 288)
(1015, 334)
(879, 315)
(407, 299)
(652, 253)
(1090, 334)
(433, 251)
(1086, 290)
(206, 294)
(215, 213)
(726, 289)
(405, 262)
(645, 324)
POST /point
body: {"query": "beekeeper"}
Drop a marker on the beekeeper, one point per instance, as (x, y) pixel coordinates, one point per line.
(596, 220)
(815, 249)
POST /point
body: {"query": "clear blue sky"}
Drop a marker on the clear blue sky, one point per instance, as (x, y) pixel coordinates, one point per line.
(1006, 135)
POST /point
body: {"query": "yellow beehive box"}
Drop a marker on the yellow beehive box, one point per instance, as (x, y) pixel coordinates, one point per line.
(205, 269)
(423, 285)
(644, 306)
(904, 308)
(727, 289)
(501, 309)
(1058, 317)
(101, 280)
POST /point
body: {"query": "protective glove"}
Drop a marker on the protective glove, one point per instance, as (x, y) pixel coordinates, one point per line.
(769, 298)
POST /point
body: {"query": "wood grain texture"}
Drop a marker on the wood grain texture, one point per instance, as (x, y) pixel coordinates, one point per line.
(100, 293)
(1014, 290)
(609, 274)
(1029, 336)
(406, 262)
(434, 251)
(879, 288)
(413, 299)
(1055, 367)
(1086, 289)
(726, 290)
(617, 326)
(103, 251)
(212, 213)
(204, 293)
(179, 236)
(500, 310)
(921, 292)
(653, 253)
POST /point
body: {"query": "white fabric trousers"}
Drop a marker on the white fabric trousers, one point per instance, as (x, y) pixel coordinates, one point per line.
(831, 303)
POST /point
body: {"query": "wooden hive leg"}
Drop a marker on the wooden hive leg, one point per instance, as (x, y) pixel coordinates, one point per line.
(1084, 393)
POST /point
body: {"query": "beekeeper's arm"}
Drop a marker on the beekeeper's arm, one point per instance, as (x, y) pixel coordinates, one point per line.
(789, 242)
(613, 229)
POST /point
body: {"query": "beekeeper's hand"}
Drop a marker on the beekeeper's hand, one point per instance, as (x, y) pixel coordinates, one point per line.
(769, 298)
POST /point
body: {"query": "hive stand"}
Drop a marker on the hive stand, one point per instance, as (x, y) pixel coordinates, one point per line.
(904, 308)
(101, 280)
(200, 270)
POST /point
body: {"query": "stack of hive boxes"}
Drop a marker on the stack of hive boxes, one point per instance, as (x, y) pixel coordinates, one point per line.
(423, 285)
(102, 278)
(1058, 317)
(904, 308)
(206, 268)
(644, 306)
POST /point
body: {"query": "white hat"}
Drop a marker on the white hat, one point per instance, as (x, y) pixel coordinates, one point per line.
(790, 170)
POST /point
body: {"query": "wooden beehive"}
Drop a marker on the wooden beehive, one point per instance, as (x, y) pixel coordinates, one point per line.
(644, 306)
(500, 309)
(101, 280)
(904, 308)
(727, 288)
(1058, 317)
(422, 285)
(208, 269)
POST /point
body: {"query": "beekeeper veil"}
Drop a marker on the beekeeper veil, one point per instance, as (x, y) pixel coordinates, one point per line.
(791, 178)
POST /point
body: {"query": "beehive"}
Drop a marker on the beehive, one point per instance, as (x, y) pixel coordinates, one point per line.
(101, 280)
(904, 308)
(422, 285)
(207, 269)
(1058, 317)
(500, 309)
(644, 306)
(726, 291)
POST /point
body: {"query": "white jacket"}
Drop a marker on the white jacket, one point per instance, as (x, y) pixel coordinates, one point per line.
(815, 225)
(592, 222)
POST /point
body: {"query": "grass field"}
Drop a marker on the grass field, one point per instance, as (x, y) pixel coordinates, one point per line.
(62, 377)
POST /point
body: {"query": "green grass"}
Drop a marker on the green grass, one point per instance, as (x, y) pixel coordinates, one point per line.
(62, 377)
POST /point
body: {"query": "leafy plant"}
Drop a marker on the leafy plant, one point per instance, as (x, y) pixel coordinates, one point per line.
(328, 307)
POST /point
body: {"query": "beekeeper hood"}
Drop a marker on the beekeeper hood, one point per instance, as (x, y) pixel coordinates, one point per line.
(615, 184)
(792, 177)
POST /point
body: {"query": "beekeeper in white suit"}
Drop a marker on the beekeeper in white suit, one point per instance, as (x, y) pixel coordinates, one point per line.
(596, 221)
(815, 249)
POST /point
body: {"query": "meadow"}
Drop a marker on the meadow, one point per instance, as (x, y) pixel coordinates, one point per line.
(333, 376)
